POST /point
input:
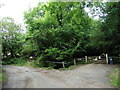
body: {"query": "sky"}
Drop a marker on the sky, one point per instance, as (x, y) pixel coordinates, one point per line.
(15, 8)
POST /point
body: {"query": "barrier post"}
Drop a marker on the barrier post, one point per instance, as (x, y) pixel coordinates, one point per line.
(107, 58)
(63, 64)
(74, 62)
(86, 59)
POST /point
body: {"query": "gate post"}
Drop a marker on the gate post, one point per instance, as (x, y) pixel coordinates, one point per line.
(74, 62)
(63, 64)
(107, 58)
(85, 58)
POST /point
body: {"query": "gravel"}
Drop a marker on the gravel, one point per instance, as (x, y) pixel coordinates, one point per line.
(87, 76)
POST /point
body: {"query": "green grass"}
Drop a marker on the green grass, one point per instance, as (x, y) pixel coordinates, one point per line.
(32, 64)
(47, 68)
(2, 76)
(115, 79)
(73, 66)
(28, 64)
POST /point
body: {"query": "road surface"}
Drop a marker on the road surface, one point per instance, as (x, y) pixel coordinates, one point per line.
(87, 76)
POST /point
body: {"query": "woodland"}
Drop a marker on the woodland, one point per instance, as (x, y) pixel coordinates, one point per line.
(61, 31)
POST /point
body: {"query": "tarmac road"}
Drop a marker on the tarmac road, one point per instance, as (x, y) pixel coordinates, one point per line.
(87, 76)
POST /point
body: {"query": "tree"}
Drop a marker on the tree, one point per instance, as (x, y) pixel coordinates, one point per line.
(104, 34)
(11, 33)
(110, 27)
(59, 30)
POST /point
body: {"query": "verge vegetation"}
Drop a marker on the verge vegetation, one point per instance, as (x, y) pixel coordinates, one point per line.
(115, 78)
(3, 77)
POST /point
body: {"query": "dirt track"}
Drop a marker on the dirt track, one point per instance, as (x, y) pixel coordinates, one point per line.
(87, 76)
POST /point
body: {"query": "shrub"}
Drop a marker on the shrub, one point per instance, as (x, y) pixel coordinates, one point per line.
(19, 61)
(53, 55)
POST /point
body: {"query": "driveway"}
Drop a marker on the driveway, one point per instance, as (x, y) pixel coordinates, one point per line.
(87, 76)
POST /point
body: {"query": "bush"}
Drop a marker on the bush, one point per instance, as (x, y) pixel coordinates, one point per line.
(41, 61)
(53, 55)
(20, 61)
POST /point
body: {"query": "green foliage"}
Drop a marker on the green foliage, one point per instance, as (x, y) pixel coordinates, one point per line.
(115, 78)
(20, 61)
(11, 38)
(3, 77)
(57, 30)
(46, 30)
(61, 31)
(105, 36)
(111, 28)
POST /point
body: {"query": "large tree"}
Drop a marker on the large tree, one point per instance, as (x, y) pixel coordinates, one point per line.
(11, 33)
(58, 29)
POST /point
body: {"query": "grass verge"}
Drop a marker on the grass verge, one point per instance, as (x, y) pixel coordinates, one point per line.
(3, 76)
(73, 66)
(32, 64)
(115, 78)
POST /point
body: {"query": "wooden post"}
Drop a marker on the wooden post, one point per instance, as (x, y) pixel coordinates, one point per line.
(63, 64)
(74, 62)
(107, 58)
(85, 58)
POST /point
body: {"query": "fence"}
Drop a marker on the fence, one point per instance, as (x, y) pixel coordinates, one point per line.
(103, 57)
(63, 63)
(74, 62)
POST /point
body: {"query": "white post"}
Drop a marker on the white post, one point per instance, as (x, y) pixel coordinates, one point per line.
(74, 62)
(63, 64)
(85, 58)
(107, 58)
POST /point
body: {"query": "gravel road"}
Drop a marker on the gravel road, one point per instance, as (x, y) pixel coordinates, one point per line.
(87, 76)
